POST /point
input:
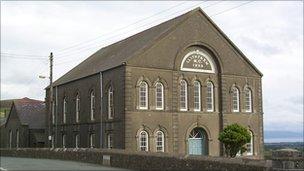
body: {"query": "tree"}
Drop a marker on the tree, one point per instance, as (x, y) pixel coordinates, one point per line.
(234, 137)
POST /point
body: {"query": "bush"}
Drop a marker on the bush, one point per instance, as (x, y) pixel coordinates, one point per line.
(234, 137)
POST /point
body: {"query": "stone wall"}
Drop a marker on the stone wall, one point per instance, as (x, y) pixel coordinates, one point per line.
(142, 160)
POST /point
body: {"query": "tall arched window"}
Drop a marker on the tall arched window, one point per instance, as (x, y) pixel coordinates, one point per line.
(210, 97)
(248, 100)
(17, 138)
(250, 145)
(160, 141)
(92, 105)
(183, 96)
(197, 96)
(10, 138)
(143, 141)
(110, 103)
(159, 96)
(65, 110)
(77, 108)
(77, 141)
(92, 140)
(63, 141)
(143, 95)
(235, 100)
(110, 140)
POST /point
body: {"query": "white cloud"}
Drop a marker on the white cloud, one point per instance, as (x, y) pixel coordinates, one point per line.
(269, 33)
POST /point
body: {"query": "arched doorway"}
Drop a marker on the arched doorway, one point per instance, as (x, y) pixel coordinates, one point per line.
(197, 142)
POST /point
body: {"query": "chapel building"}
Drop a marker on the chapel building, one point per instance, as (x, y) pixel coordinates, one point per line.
(171, 88)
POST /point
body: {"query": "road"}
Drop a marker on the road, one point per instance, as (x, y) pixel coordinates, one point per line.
(13, 163)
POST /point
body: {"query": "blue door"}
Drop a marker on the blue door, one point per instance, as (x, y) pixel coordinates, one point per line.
(196, 146)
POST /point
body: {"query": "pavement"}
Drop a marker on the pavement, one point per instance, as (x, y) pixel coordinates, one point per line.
(14, 163)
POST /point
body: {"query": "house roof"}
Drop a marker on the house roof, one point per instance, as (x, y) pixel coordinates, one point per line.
(30, 112)
(120, 52)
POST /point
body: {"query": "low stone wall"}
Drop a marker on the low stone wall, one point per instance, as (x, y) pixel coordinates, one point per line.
(142, 160)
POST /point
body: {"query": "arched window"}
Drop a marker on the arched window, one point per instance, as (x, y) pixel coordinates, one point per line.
(143, 95)
(110, 141)
(159, 96)
(65, 110)
(250, 145)
(10, 138)
(197, 96)
(77, 105)
(53, 141)
(143, 141)
(248, 100)
(183, 96)
(110, 103)
(210, 97)
(17, 138)
(77, 141)
(160, 141)
(92, 140)
(92, 105)
(63, 141)
(235, 100)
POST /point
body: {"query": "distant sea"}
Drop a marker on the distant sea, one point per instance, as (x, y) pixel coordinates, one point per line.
(282, 136)
(277, 140)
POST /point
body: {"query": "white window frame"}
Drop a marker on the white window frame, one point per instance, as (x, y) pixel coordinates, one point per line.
(162, 142)
(141, 146)
(235, 94)
(184, 108)
(110, 140)
(248, 92)
(110, 103)
(197, 83)
(143, 83)
(77, 140)
(17, 138)
(92, 139)
(209, 83)
(77, 108)
(161, 93)
(63, 140)
(92, 105)
(10, 138)
(64, 110)
(250, 153)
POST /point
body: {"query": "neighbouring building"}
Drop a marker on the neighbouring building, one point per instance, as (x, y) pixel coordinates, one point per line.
(25, 124)
(171, 88)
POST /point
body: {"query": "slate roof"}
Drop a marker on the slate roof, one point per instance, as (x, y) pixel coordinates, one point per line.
(118, 53)
(30, 112)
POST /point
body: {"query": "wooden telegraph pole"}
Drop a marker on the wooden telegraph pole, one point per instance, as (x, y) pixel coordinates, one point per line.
(51, 100)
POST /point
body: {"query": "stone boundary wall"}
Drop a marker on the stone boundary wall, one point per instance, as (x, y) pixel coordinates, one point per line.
(142, 160)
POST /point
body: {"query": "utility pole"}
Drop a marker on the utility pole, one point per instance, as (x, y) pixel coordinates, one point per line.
(51, 100)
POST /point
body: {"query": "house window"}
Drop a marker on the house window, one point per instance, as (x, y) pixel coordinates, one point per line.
(143, 95)
(10, 138)
(77, 141)
(250, 145)
(92, 140)
(65, 110)
(209, 97)
(17, 138)
(248, 100)
(77, 108)
(183, 95)
(53, 141)
(63, 141)
(160, 141)
(92, 105)
(110, 103)
(159, 96)
(197, 96)
(143, 141)
(110, 141)
(235, 99)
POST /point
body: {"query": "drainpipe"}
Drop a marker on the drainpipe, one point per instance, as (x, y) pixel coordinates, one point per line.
(101, 120)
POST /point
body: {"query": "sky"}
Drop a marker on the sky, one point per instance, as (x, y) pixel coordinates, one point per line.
(269, 33)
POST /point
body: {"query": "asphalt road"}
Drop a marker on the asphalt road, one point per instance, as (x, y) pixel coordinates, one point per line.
(13, 163)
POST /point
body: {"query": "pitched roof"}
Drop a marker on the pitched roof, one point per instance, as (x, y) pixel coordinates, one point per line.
(30, 112)
(116, 54)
